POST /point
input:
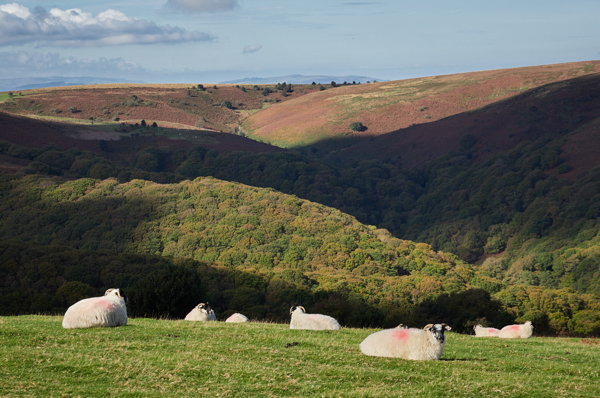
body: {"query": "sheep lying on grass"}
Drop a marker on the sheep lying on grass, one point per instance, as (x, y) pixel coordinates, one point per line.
(106, 311)
(302, 320)
(523, 331)
(237, 318)
(201, 312)
(412, 343)
(481, 331)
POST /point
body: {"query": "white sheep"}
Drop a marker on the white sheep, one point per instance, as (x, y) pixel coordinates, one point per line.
(201, 312)
(412, 343)
(302, 320)
(106, 311)
(481, 331)
(237, 318)
(523, 331)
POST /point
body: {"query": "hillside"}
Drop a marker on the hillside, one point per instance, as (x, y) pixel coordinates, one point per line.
(248, 230)
(215, 107)
(389, 106)
(247, 249)
(569, 108)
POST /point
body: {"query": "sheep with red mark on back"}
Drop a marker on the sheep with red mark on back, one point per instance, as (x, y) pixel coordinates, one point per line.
(415, 344)
(523, 331)
(106, 311)
(482, 331)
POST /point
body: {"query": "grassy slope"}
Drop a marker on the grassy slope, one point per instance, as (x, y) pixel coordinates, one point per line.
(174, 106)
(389, 106)
(178, 358)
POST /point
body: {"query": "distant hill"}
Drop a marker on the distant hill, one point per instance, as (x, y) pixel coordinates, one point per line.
(303, 79)
(569, 109)
(184, 106)
(27, 83)
(390, 106)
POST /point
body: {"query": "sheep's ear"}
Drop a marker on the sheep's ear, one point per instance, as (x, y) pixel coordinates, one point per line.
(302, 308)
(292, 308)
(429, 326)
(447, 327)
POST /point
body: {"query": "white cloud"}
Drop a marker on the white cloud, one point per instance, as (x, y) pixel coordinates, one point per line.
(249, 49)
(23, 63)
(74, 27)
(204, 5)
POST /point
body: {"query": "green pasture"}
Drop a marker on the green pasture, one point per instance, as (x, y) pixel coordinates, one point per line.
(157, 358)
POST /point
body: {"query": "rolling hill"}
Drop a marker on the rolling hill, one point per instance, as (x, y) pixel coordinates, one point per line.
(215, 107)
(390, 106)
(246, 249)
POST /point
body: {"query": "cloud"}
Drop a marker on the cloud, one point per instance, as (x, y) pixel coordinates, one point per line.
(74, 27)
(23, 63)
(252, 48)
(204, 5)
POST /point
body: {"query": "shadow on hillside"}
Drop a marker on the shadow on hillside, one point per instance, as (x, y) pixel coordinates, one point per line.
(550, 110)
(47, 279)
(462, 311)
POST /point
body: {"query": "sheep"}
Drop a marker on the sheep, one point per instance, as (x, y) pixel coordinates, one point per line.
(523, 331)
(302, 320)
(412, 343)
(237, 318)
(481, 331)
(106, 311)
(201, 312)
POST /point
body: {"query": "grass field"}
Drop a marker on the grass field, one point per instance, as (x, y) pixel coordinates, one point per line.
(153, 358)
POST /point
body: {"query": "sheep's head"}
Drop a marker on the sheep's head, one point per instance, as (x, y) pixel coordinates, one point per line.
(297, 307)
(204, 307)
(116, 292)
(437, 330)
(401, 326)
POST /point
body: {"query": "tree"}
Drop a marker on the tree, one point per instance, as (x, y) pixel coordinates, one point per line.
(357, 126)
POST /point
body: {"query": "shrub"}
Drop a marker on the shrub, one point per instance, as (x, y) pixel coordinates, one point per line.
(357, 126)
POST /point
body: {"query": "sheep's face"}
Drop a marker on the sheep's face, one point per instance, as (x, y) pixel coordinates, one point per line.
(297, 308)
(116, 292)
(437, 330)
(204, 307)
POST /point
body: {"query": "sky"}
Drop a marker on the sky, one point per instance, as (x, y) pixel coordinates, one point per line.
(165, 41)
